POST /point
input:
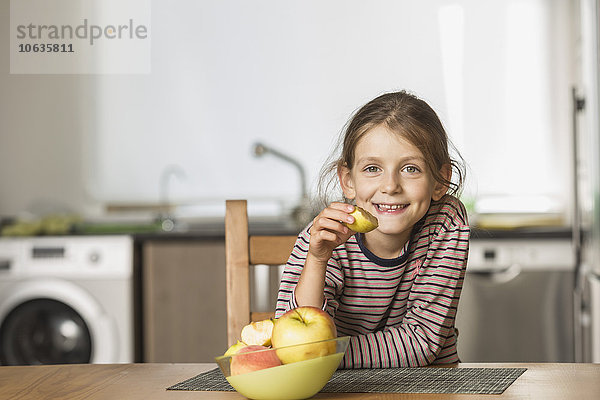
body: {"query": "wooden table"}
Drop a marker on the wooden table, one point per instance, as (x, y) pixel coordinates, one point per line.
(148, 381)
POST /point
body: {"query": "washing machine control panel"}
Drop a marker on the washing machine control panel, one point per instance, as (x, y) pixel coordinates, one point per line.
(87, 256)
(11, 251)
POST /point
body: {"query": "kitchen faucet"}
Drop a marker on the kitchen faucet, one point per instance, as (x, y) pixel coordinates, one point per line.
(167, 221)
(302, 213)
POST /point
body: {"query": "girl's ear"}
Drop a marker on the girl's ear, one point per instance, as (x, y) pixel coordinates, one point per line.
(440, 188)
(346, 182)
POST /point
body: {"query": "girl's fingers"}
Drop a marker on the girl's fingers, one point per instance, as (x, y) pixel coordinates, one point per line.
(328, 230)
(329, 224)
(337, 212)
(322, 243)
(326, 236)
(342, 206)
(332, 220)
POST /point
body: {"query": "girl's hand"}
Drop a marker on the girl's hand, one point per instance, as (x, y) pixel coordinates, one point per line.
(328, 232)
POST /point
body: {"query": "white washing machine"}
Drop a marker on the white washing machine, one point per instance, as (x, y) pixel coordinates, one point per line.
(66, 300)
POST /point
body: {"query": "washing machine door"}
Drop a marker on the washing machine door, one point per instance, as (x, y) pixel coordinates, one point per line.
(45, 331)
(53, 322)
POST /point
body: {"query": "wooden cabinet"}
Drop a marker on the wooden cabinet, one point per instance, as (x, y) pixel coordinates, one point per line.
(183, 300)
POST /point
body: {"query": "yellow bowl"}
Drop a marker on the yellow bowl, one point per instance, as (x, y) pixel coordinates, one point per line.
(296, 380)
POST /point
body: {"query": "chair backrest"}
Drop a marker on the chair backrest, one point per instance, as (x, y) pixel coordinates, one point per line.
(241, 251)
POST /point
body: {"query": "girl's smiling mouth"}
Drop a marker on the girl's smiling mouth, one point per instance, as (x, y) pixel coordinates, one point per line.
(389, 208)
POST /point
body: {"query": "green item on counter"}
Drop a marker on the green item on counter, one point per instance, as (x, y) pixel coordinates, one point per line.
(116, 228)
(49, 225)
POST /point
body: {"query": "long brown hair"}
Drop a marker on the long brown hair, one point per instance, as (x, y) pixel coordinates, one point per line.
(411, 118)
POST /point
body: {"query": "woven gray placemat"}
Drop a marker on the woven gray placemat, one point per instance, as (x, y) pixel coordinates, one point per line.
(392, 380)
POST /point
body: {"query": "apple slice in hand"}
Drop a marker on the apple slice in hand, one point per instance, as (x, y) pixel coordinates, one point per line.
(364, 221)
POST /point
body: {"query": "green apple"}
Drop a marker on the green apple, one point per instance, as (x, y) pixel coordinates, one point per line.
(253, 358)
(364, 221)
(235, 348)
(307, 326)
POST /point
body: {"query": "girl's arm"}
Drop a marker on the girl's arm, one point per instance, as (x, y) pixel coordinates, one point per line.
(333, 280)
(326, 233)
(426, 332)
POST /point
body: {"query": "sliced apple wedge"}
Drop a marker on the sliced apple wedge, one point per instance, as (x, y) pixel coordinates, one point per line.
(258, 333)
(364, 221)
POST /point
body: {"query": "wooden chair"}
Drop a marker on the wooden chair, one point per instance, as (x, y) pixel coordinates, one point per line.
(241, 251)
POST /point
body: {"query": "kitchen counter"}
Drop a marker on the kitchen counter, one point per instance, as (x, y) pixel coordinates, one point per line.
(148, 227)
(542, 232)
(217, 230)
(149, 381)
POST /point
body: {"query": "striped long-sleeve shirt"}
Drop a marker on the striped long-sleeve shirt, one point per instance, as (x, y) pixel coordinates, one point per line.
(399, 312)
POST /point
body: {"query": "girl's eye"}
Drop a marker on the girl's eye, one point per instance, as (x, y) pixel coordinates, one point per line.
(371, 168)
(411, 169)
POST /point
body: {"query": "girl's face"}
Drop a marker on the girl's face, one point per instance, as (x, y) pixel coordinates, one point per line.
(390, 179)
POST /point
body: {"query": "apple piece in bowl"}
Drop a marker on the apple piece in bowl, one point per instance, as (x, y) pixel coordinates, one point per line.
(234, 348)
(258, 332)
(253, 358)
(295, 380)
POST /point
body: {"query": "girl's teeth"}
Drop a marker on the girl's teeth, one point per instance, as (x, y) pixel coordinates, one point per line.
(385, 207)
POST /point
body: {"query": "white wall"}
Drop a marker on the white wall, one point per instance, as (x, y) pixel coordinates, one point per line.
(41, 130)
(228, 73)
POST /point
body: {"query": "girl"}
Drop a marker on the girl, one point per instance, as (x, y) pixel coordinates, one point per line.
(395, 289)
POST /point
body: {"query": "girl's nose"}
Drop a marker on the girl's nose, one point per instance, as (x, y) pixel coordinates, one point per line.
(391, 183)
